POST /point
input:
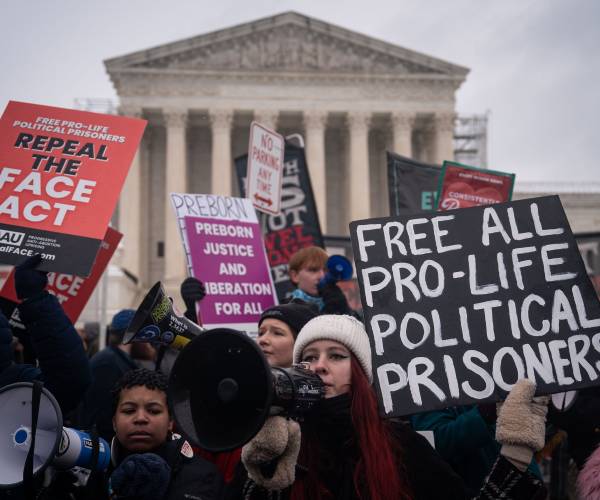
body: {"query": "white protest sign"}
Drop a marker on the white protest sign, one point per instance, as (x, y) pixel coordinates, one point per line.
(265, 167)
(208, 205)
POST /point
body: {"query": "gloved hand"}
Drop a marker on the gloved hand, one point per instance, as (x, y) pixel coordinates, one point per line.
(192, 290)
(521, 424)
(30, 282)
(277, 444)
(143, 476)
(334, 299)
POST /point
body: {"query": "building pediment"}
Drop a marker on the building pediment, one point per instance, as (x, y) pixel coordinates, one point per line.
(289, 43)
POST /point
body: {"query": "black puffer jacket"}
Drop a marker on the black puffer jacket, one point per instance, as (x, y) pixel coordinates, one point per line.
(192, 477)
(63, 363)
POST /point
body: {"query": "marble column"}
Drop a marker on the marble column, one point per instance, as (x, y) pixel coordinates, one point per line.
(267, 117)
(443, 124)
(220, 121)
(130, 208)
(315, 122)
(402, 126)
(175, 265)
(360, 192)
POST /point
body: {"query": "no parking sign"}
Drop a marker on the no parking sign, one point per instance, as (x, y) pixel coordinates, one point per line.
(265, 167)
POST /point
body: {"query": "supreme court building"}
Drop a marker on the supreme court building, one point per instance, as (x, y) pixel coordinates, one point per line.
(351, 97)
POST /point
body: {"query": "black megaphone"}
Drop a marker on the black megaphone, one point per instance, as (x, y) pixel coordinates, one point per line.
(339, 268)
(222, 390)
(55, 445)
(156, 322)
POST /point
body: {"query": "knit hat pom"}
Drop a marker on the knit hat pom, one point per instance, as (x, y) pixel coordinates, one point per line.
(341, 328)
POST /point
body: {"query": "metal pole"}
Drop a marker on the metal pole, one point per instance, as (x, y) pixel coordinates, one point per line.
(102, 310)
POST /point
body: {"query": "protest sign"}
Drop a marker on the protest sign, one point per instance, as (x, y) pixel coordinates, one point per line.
(412, 185)
(461, 186)
(297, 225)
(265, 164)
(228, 256)
(61, 172)
(460, 305)
(208, 205)
(73, 292)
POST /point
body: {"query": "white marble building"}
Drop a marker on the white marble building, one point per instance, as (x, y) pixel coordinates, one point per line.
(351, 96)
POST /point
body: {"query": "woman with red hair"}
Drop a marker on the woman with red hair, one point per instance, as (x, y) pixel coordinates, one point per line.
(345, 450)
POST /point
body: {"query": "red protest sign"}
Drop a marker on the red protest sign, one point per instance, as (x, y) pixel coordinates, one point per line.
(73, 292)
(61, 172)
(461, 186)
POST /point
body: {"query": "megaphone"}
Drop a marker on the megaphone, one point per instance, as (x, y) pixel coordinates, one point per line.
(339, 268)
(222, 390)
(61, 447)
(156, 322)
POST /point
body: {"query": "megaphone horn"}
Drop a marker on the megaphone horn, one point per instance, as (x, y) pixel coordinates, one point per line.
(222, 389)
(156, 322)
(61, 447)
(339, 268)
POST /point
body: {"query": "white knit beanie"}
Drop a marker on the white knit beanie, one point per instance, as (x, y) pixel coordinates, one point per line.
(344, 329)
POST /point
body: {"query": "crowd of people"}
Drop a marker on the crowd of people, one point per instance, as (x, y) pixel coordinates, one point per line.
(341, 449)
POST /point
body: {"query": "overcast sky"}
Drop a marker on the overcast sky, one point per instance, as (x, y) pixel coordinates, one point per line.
(534, 64)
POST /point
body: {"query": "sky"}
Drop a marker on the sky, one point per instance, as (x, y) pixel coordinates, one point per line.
(534, 64)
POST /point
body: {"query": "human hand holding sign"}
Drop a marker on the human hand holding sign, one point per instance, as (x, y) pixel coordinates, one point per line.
(29, 281)
(521, 424)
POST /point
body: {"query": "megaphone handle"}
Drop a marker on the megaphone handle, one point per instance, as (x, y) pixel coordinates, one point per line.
(35, 411)
(95, 448)
(91, 486)
(159, 357)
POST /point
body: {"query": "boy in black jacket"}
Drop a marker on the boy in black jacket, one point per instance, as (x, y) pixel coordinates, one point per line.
(149, 463)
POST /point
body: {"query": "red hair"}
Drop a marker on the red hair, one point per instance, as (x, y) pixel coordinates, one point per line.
(379, 473)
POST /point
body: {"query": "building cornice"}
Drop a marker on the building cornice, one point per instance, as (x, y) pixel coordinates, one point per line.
(291, 20)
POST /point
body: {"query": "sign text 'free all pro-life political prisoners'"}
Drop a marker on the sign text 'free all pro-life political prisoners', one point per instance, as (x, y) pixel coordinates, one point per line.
(460, 305)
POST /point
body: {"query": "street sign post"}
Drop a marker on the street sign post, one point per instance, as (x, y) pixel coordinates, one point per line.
(265, 168)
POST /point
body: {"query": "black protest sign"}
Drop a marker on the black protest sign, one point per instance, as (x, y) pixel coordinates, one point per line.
(412, 185)
(460, 305)
(297, 225)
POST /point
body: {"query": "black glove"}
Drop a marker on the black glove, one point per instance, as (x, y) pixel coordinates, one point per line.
(143, 476)
(192, 291)
(30, 282)
(334, 299)
(488, 412)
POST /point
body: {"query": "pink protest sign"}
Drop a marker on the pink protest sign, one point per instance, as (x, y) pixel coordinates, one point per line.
(228, 256)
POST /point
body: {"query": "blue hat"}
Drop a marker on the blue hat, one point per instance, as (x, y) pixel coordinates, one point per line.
(122, 319)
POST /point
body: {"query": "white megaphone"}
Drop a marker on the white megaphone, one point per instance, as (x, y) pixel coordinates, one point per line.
(61, 447)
